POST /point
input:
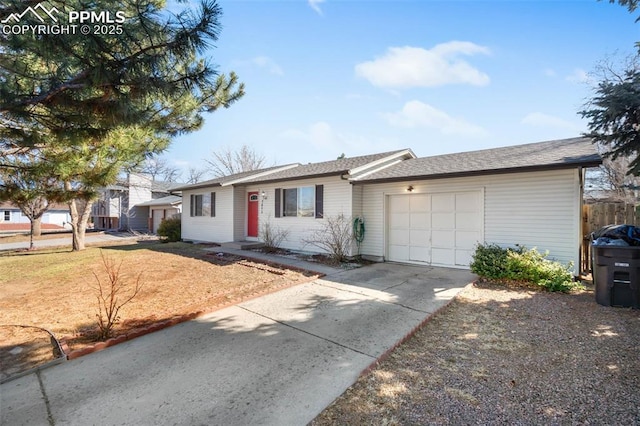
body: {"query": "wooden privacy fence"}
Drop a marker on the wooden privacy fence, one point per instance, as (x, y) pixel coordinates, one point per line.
(597, 215)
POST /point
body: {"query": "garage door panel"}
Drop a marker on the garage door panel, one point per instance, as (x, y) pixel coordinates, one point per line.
(399, 237)
(442, 256)
(468, 201)
(467, 239)
(419, 202)
(463, 257)
(443, 202)
(443, 238)
(157, 219)
(399, 203)
(467, 220)
(399, 253)
(441, 229)
(399, 220)
(420, 254)
(419, 221)
(443, 221)
(419, 237)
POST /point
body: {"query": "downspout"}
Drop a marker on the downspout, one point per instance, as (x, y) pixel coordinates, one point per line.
(581, 250)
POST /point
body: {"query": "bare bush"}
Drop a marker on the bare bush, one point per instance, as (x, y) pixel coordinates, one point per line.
(113, 295)
(334, 237)
(272, 236)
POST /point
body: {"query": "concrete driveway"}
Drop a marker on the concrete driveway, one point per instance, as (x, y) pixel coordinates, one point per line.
(276, 360)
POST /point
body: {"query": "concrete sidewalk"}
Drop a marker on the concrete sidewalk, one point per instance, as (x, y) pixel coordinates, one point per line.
(275, 360)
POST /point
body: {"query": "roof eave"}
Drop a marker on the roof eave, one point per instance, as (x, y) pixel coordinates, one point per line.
(538, 168)
(309, 176)
(194, 186)
(366, 167)
(259, 175)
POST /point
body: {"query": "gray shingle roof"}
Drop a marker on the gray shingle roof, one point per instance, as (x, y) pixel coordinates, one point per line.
(169, 199)
(325, 168)
(562, 153)
(221, 180)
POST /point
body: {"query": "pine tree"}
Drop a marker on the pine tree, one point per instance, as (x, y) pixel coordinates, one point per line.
(92, 105)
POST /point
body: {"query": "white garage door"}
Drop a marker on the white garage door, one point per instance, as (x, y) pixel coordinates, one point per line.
(439, 229)
(159, 215)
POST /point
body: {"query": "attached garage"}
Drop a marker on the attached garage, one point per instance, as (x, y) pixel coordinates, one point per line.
(154, 211)
(435, 228)
(159, 214)
(434, 210)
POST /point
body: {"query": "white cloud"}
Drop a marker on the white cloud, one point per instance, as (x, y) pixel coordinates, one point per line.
(320, 142)
(320, 136)
(538, 119)
(549, 72)
(267, 63)
(404, 67)
(418, 114)
(578, 76)
(315, 5)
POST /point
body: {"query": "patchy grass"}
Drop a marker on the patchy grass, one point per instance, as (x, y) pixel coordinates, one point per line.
(55, 289)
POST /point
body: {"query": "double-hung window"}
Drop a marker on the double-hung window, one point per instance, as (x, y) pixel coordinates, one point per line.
(203, 204)
(304, 201)
(196, 204)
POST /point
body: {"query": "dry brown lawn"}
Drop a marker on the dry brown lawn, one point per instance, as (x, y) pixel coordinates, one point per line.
(56, 289)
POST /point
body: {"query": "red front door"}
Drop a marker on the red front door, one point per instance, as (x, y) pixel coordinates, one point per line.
(252, 214)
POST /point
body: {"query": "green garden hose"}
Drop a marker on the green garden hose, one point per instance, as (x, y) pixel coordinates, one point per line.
(358, 231)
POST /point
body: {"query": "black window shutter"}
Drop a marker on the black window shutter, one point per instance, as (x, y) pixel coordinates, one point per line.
(191, 205)
(278, 204)
(213, 204)
(319, 201)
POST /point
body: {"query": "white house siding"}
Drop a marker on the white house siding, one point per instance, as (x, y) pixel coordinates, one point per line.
(337, 199)
(535, 209)
(216, 229)
(16, 216)
(139, 192)
(56, 217)
(240, 214)
(114, 204)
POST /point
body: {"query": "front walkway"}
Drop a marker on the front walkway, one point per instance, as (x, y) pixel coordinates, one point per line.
(291, 261)
(276, 360)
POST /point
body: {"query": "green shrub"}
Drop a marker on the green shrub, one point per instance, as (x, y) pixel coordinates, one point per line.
(169, 229)
(522, 265)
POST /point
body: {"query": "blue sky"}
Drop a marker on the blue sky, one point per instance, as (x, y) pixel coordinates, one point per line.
(357, 77)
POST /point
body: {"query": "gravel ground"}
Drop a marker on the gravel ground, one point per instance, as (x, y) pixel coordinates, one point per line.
(506, 356)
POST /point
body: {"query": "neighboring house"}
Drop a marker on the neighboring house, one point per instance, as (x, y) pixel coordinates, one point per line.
(125, 206)
(430, 210)
(57, 214)
(160, 209)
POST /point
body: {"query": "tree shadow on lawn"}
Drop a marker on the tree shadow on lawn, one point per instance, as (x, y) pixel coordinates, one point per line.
(88, 334)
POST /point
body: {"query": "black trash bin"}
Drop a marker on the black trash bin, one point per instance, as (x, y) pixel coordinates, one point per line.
(616, 275)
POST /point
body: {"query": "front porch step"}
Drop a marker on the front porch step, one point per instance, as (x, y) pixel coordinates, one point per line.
(242, 245)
